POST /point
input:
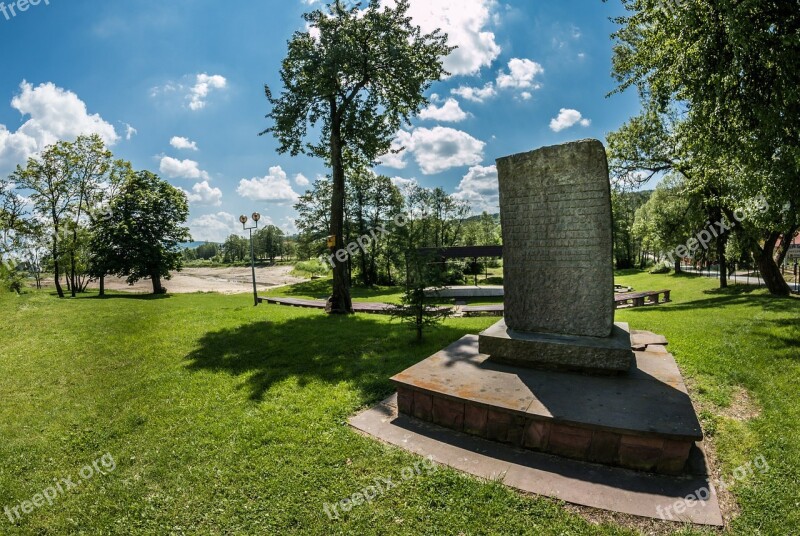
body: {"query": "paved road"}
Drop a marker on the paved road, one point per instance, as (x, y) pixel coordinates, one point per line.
(742, 278)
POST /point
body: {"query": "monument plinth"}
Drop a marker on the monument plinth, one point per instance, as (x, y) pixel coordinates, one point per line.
(555, 209)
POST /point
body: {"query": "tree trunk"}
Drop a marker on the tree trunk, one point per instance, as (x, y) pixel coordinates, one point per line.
(56, 267)
(157, 288)
(340, 301)
(678, 266)
(102, 285)
(770, 272)
(723, 262)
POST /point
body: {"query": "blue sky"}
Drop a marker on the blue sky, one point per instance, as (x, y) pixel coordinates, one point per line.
(177, 87)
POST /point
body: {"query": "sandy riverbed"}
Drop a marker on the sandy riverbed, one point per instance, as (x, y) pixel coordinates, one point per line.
(222, 280)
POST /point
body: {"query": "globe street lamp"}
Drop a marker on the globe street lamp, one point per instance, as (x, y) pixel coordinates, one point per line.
(256, 216)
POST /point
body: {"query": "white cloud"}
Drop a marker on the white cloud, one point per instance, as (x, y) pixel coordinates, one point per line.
(437, 149)
(521, 75)
(214, 227)
(203, 87)
(203, 194)
(129, 131)
(195, 89)
(480, 189)
(289, 226)
(526, 95)
(568, 118)
(54, 114)
(475, 94)
(274, 187)
(404, 184)
(301, 180)
(450, 111)
(181, 169)
(466, 23)
(179, 142)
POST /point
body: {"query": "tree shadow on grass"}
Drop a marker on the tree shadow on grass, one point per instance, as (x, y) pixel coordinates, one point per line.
(358, 349)
(130, 296)
(734, 295)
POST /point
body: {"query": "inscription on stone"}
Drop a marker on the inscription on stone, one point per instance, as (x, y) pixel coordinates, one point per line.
(555, 208)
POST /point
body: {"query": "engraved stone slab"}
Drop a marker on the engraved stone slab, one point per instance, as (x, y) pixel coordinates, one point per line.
(555, 208)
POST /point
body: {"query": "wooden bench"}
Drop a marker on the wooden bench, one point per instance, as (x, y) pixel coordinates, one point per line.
(640, 299)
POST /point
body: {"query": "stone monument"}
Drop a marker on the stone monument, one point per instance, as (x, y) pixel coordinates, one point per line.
(557, 375)
(555, 208)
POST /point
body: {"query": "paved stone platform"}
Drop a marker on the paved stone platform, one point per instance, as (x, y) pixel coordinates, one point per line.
(643, 420)
(572, 481)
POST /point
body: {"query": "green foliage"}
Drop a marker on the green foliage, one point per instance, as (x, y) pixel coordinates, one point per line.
(420, 307)
(140, 235)
(312, 268)
(11, 278)
(359, 76)
(720, 88)
(268, 243)
(355, 76)
(627, 246)
(669, 218)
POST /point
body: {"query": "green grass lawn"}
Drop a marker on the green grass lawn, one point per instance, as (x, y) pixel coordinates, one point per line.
(228, 419)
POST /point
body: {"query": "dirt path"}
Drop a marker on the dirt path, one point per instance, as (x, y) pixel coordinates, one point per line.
(222, 280)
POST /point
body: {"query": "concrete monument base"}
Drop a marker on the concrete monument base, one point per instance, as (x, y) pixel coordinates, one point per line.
(643, 420)
(610, 355)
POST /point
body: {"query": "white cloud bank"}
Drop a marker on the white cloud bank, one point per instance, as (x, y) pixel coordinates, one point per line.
(436, 150)
(450, 112)
(214, 227)
(272, 188)
(466, 23)
(55, 114)
(203, 194)
(521, 75)
(480, 189)
(173, 168)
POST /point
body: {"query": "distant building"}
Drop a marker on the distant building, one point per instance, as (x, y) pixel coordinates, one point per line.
(794, 250)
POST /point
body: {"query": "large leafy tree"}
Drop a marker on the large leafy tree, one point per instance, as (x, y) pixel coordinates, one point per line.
(89, 166)
(729, 71)
(139, 237)
(356, 76)
(47, 179)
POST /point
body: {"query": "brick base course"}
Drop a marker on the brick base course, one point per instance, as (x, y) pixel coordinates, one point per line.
(645, 453)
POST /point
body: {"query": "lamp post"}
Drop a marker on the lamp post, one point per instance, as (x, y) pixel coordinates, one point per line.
(256, 216)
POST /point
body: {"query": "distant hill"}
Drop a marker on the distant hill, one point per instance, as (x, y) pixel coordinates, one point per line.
(495, 217)
(193, 245)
